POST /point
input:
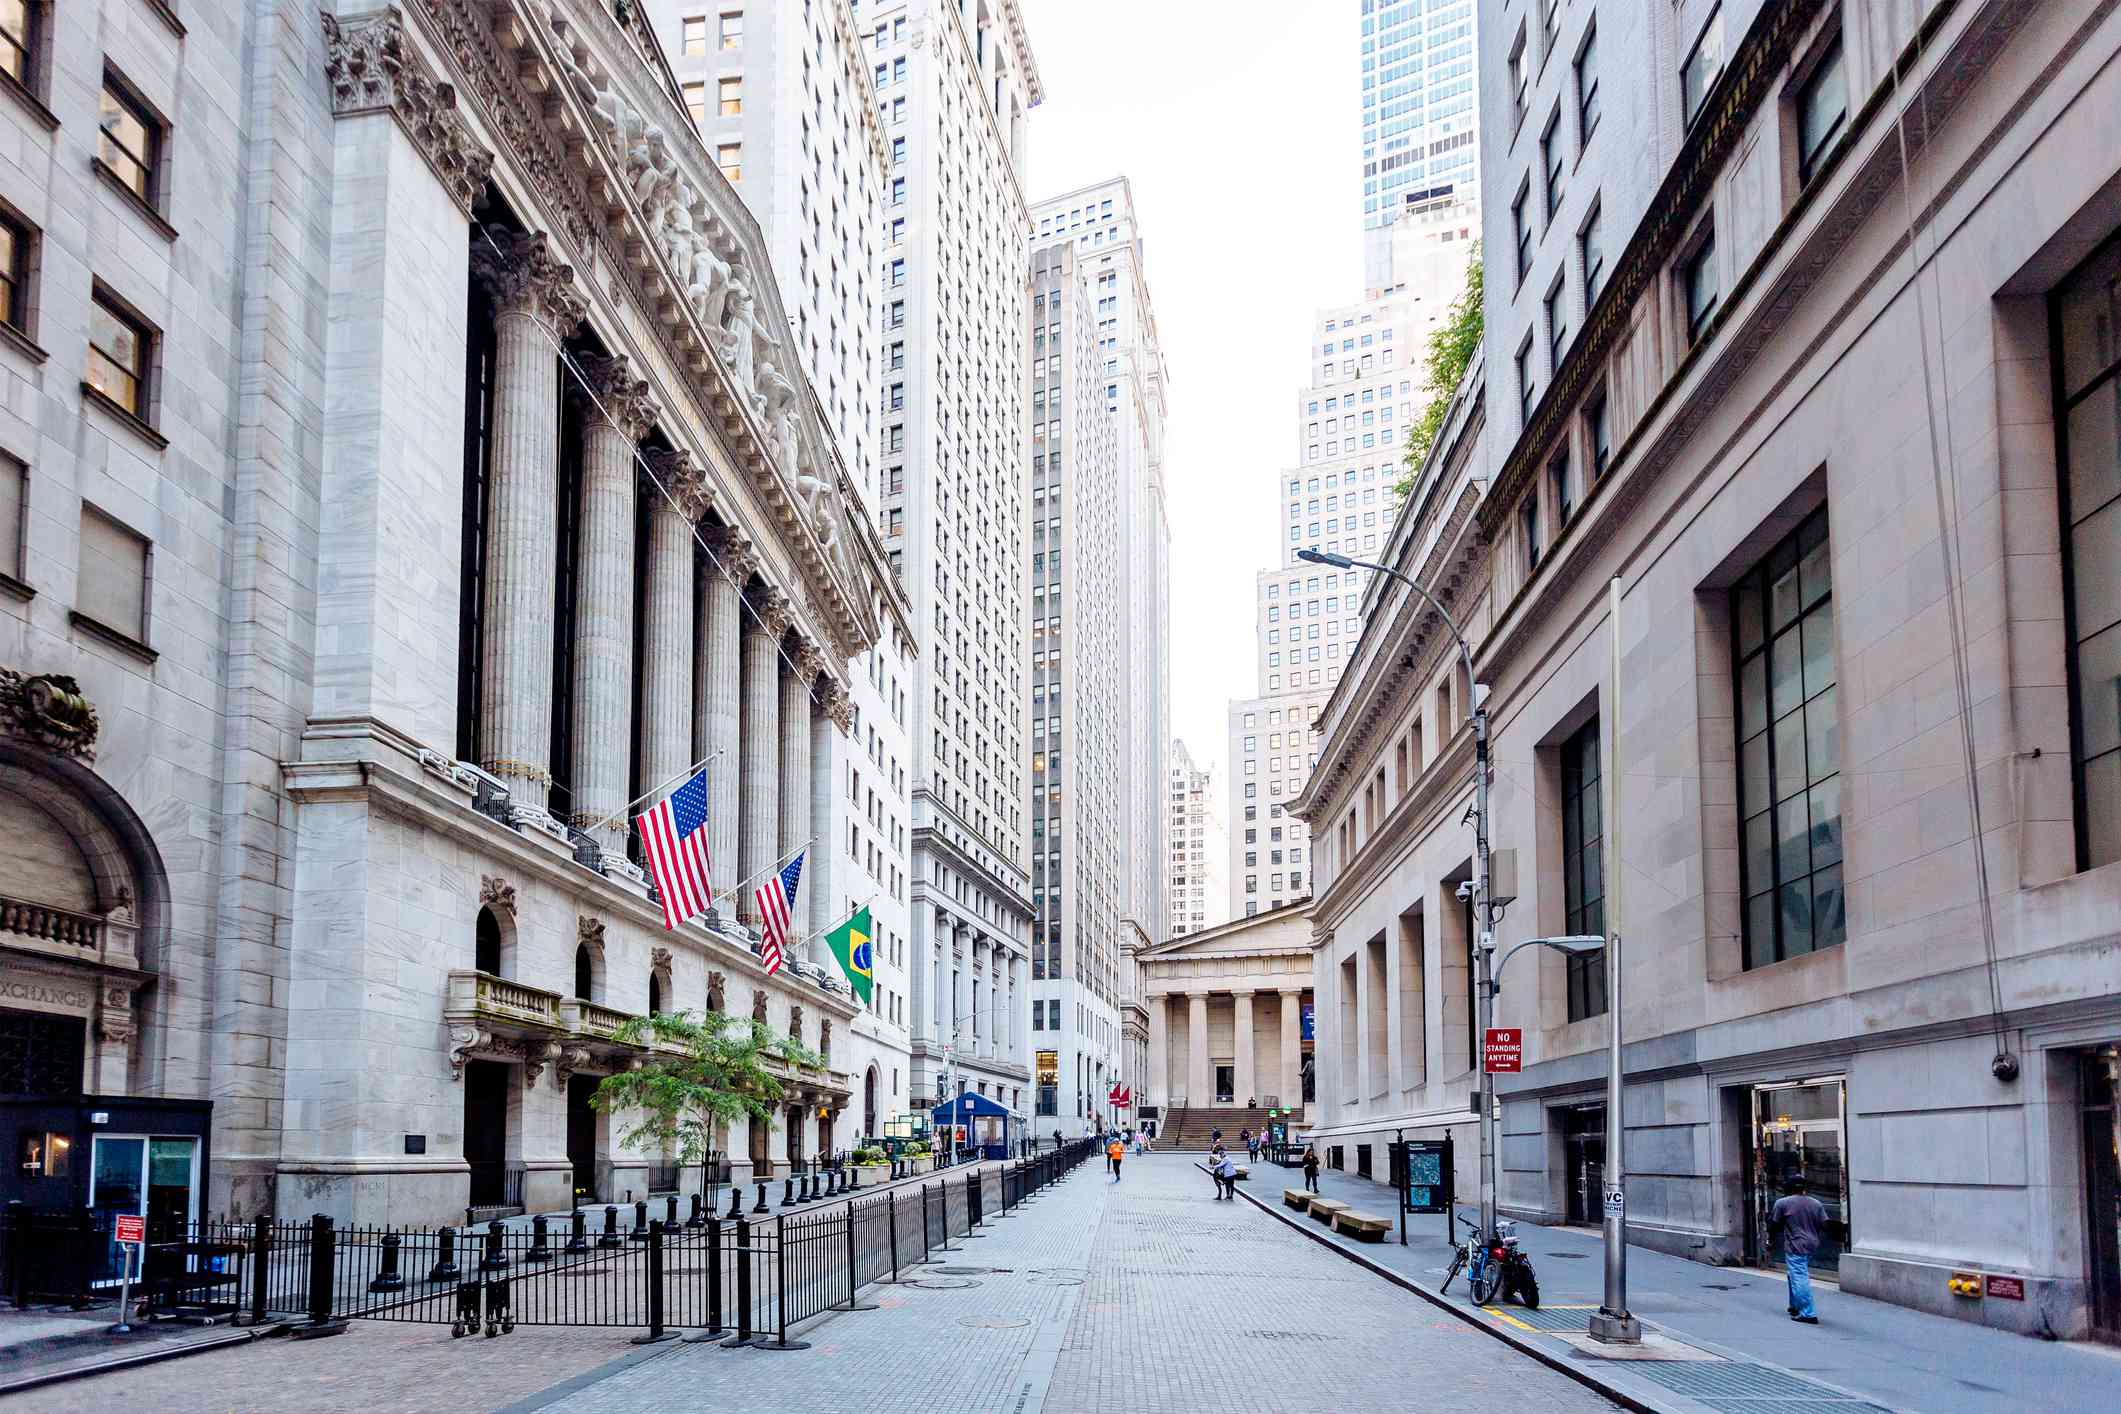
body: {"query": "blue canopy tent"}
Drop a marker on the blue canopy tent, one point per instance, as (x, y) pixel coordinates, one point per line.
(986, 1125)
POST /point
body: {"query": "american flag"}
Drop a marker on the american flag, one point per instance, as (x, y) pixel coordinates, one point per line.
(776, 900)
(675, 837)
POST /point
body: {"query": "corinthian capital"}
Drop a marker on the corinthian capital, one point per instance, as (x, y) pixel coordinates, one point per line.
(837, 703)
(612, 394)
(373, 70)
(772, 609)
(674, 479)
(733, 551)
(520, 271)
(804, 660)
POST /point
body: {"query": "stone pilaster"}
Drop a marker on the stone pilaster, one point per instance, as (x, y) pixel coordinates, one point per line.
(797, 676)
(1158, 1085)
(616, 412)
(1244, 1084)
(717, 689)
(535, 306)
(826, 904)
(1200, 1082)
(1292, 1054)
(760, 752)
(675, 502)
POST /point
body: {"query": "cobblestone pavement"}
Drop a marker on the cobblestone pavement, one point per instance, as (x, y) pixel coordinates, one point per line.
(1140, 1296)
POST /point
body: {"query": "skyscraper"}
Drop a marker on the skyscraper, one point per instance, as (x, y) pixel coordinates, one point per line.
(1420, 115)
(956, 85)
(1199, 854)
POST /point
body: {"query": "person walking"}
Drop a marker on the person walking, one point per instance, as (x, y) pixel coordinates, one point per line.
(1215, 1163)
(1311, 1168)
(1226, 1176)
(1799, 1218)
(1115, 1151)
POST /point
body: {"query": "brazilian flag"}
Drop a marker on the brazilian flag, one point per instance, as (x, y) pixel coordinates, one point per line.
(850, 944)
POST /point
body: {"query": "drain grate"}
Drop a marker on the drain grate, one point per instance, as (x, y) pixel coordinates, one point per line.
(1288, 1335)
(1741, 1388)
(1546, 1318)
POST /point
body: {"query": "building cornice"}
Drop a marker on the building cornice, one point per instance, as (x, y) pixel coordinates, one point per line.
(373, 70)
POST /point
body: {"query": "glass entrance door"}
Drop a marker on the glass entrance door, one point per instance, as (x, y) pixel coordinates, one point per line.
(1798, 1131)
(1225, 1082)
(139, 1175)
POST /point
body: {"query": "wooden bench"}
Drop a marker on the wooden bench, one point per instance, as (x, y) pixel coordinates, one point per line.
(1244, 1172)
(1364, 1227)
(1327, 1209)
(1297, 1198)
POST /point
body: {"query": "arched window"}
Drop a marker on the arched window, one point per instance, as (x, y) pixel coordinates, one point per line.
(584, 974)
(655, 994)
(487, 957)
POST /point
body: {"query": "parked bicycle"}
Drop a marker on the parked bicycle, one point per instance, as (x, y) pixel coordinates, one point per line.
(1494, 1270)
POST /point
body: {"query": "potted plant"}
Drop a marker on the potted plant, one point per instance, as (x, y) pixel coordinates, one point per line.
(870, 1162)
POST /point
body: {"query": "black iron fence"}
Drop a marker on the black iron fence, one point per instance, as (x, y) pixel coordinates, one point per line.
(658, 1265)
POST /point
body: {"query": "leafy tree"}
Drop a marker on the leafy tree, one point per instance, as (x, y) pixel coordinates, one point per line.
(1452, 345)
(696, 1073)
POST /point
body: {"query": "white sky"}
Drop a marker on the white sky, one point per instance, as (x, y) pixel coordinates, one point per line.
(1241, 132)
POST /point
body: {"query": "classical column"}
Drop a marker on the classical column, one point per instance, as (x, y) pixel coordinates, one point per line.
(1159, 1081)
(717, 692)
(1244, 1085)
(1292, 1059)
(797, 676)
(958, 1027)
(761, 748)
(673, 493)
(535, 306)
(616, 412)
(1200, 1088)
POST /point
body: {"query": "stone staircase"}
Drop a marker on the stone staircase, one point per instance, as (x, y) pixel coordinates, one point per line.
(1188, 1130)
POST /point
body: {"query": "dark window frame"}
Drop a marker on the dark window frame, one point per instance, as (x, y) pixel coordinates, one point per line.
(1553, 163)
(1788, 556)
(1713, 25)
(1582, 858)
(1701, 254)
(1831, 60)
(155, 130)
(148, 337)
(1588, 109)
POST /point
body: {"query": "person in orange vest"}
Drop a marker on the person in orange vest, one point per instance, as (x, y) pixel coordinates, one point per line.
(1115, 1151)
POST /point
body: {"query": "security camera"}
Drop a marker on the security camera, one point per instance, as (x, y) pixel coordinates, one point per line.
(1465, 889)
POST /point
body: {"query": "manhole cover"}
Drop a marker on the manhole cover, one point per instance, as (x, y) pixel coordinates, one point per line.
(964, 1271)
(944, 1284)
(991, 1323)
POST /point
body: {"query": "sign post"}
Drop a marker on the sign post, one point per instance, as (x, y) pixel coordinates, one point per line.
(130, 1233)
(1502, 1050)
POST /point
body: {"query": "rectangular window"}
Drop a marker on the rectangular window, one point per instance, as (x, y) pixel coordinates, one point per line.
(1583, 866)
(1822, 112)
(130, 141)
(1527, 393)
(18, 38)
(2086, 312)
(729, 156)
(1587, 86)
(693, 34)
(1702, 292)
(1789, 750)
(1528, 529)
(1523, 231)
(1591, 246)
(1520, 79)
(1557, 323)
(696, 102)
(1704, 63)
(731, 92)
(733, 30)
(111, 589)
(1552, 158)
(14, 511)
(1558, 480)
(118, 347)
(1600, 436)
(15, 242)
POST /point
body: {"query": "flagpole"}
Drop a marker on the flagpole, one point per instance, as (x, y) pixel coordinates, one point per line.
(620, 813)
(773, 868)
(835, 923)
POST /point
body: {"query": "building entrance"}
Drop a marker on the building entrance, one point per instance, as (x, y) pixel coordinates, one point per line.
(2102, 1188)
(1583, 1151)
(1225, 1082)
(1798, 1129)
(582, 1136)
(486, 1131)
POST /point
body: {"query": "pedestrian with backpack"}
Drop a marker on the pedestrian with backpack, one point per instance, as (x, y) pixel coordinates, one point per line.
(1800, 1219)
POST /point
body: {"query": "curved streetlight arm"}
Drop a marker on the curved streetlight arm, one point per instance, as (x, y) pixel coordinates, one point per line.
(1465, 652)
(1573, 944)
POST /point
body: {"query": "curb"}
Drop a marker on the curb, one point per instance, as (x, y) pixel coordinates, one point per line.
(1625, 1398)
(39, 1379)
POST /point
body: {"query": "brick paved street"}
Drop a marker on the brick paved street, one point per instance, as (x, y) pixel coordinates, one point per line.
(1145, 1296)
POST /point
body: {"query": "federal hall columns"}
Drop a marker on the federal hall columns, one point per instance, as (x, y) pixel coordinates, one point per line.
(1224, 1028)
(723, 670)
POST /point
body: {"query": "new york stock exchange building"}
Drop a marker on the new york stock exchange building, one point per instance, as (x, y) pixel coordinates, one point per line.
(405, 464)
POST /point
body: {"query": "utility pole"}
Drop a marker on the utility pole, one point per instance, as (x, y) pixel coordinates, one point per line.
(1614, 1323)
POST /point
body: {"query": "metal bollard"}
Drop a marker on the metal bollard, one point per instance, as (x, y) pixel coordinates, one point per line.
(742, 1253)
(540, 1241)
(323, 1255)
(788, 1199)
(388, 1278)
(736, 1201)
(611, 1236)
(495, 1259)
(640, 1220)
(760, 1206)
(670, 1211)
(577, 1231)
(699, 1217)
(656, 1333)
(714, 1277)
(445, 1267)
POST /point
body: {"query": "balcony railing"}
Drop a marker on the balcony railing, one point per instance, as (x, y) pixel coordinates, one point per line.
(481, 996)
(46, 924)
(587, 1018)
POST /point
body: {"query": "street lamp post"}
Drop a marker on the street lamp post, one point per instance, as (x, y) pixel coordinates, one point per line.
(1483, 905)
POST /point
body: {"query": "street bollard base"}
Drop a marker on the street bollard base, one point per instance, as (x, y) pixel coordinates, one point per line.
(311, 1331)
(739, 1342)
(653, 1339)
(764, 1344)
(1610, 1329)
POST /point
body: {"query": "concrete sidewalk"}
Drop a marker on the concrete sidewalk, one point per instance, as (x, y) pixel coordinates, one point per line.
(1900, 1358)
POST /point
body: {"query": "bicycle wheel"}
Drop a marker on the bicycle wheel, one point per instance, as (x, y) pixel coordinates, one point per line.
(1458, 1261)
(1485, 1282)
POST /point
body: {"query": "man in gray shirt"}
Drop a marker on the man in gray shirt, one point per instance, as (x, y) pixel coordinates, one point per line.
(1799, 1218)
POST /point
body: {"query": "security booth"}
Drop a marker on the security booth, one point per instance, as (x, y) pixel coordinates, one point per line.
(987, 1125)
